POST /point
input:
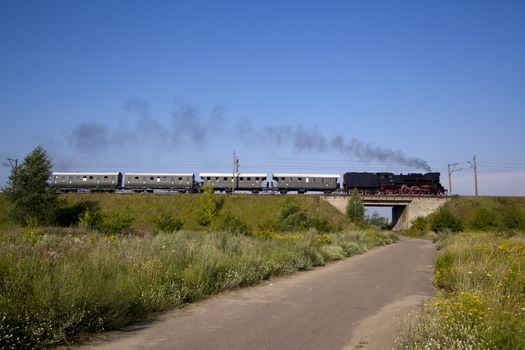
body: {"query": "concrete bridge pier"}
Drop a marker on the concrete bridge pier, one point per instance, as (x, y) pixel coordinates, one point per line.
(405, 209)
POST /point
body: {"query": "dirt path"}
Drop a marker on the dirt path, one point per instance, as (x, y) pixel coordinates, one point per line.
(351, 304)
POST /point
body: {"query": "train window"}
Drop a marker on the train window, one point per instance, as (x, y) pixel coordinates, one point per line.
(208, 178)
(105, 177)
(158, 179)
(91, 177)
(256, 179)
(248, 179)
(136, 177)
(84, 178)
(180, 178)
(282, 178)
(241, 179)
(299, 179)
(225, 178)
(217, 178)
(152, 178)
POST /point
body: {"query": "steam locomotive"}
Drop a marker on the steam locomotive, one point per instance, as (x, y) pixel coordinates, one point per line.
(366, 183)
(414, 184)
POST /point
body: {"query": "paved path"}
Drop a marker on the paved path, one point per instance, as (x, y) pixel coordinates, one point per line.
(353, 302)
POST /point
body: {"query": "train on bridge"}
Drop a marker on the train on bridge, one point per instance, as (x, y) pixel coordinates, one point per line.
(413, 184)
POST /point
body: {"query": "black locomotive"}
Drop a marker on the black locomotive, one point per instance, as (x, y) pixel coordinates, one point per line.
(388, 183)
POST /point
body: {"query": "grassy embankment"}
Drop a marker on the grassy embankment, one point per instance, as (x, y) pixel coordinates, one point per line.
(473, 214)
(482, 279)
(57, 283)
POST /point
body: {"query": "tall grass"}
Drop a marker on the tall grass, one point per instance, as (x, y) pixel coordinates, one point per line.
(483, 305)
(473, 214)
(55, 285)
(254, 210)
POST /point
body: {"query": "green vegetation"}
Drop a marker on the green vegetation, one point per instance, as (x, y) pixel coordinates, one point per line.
(56, 283)
(112, 259)
(142, 212)
(482, 276)
(355, 209)
(32, 200)
(474, 214)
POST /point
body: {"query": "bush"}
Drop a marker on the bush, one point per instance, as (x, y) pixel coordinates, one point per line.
(233, 224)
(292, 217)
(483, 220)
(70, 214)
(512, 219)
(165, 222)
(355, 210)
(90, 219)
(209, 207)
(443, 220)
(114, 222)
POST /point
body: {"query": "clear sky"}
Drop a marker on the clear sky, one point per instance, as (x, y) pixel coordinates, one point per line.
(302, 86)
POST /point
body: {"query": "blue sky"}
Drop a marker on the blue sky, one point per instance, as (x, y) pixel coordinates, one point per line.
(176, 86)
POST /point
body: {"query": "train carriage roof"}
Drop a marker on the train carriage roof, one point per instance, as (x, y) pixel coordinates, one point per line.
(158, 174)
(84, 174)
(230, 174)
(334, 176)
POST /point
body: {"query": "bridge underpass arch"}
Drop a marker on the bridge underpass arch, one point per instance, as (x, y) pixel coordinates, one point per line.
(405, 209)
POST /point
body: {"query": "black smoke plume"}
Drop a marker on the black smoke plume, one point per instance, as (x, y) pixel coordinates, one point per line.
(188, 127)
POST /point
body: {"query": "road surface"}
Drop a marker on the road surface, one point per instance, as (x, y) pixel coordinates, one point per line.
(356, 303)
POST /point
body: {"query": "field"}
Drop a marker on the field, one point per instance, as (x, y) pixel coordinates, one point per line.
(473, 214)
(58, 283)
(482, 305)
(480, 271)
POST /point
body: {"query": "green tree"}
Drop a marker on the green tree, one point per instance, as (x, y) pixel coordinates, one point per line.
(355, 209)
(209, 206)
(31, 197)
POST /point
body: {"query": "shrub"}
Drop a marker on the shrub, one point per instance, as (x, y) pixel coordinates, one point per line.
(233, 224)
(70, 214)
(209, 207)
(355, 210)
(114, 222)
(90, 219)
(483, 219)
(419, 225)
(321, 225)
(292, 217)
(512, 218)
(165, 222)
(443, 220)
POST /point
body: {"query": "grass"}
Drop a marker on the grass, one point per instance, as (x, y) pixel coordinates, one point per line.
(482, 276)
(58, 283)
(472, 214)
(254, 210)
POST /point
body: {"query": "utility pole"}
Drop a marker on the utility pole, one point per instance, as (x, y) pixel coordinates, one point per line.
(475, 174)
(235, 170)
(450, 171)
(474, 165)
(14, 165)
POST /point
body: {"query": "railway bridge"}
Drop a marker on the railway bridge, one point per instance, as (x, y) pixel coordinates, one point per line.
(405, 209)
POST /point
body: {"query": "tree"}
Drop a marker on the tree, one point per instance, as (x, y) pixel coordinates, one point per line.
(355, 210)
(32, 199)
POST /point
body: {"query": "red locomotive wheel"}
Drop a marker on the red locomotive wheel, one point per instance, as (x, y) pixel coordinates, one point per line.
(415, 191)
(405, 190)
